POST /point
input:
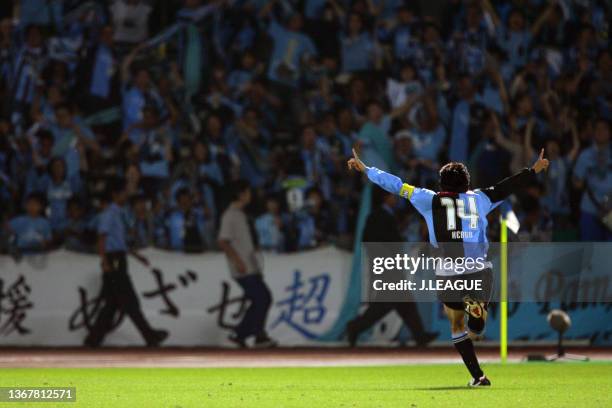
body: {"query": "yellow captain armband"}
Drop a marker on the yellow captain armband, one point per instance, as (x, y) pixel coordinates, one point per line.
(406, 190)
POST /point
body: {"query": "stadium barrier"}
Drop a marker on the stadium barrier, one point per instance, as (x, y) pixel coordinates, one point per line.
(52, 300)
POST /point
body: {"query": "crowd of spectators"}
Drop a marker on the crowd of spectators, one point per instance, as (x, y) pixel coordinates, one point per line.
(180, 98)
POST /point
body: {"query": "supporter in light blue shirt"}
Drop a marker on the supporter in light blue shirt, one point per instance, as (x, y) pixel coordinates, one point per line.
(593, 173)
(270, 227)
(32, 231)
(134, 101)
(313, 221)
(154, 154)
(403, 38)
(387, 9)
(515, 36)
(459, 141)
(374, 136)
(156, 148)
(104, 66)
(238, 79)
(307, 231)
(491, 98)
(135, 98)
(315, 158)
(345, 130)
(141, 223)
(42, 148)
(427, 143)
(80, 232)
(48, 102)
(515, 39)
(248, 140)
(209, 175)
(469, 45)
(40, 12)
(358, 47)
(28, 65)
(313, 9)
(291, 50)
(187, 225)
(67, 133)
(556, 200)
(210, 171)
(59, 189)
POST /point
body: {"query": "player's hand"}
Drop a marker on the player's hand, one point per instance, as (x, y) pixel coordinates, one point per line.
(356, 163)
(541, 163)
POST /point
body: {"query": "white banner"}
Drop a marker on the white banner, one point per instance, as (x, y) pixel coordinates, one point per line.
(52, 299)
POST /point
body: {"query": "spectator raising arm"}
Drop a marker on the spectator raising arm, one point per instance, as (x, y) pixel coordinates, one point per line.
(406, 106)
(490, 10)
(127, 63)
(537, 25)
(529, 152)
(267, 9)
(337, 9)
(573, 153)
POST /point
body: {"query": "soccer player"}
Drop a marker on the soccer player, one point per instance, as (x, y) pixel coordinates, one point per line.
(457, 214)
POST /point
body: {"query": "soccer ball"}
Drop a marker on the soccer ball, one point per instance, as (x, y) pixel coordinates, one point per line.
(559, 320)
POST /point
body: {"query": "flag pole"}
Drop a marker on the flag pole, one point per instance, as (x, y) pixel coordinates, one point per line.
(503, 317)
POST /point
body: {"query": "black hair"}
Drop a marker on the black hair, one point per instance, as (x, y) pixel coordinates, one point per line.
(306, 126)
(114, 186)
(152, 109)
(250, 109)
(74, 201)
(454, 177)
(140, 67)
(181, 192)
(601, 119)
(375, 102)
(237, 188)
(138, 197)
(36, 196)
(315, 190)
(64, 105)
(32, 27)
(44, 135)
(55, 159)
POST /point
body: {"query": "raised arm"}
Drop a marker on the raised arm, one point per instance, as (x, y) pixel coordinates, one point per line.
(527, 143)
(512, 184)
(386, 181)
(489, 9)
(539, 23)
(573, 153)
(337, 9)
(507, 144)
(406, 106)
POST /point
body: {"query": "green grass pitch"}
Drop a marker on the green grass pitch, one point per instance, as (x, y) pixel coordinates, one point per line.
(443, 385)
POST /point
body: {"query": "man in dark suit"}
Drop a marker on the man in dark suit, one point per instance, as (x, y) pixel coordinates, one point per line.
(381, 226)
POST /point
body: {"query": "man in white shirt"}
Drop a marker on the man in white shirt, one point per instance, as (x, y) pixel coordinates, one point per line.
(237, 241)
